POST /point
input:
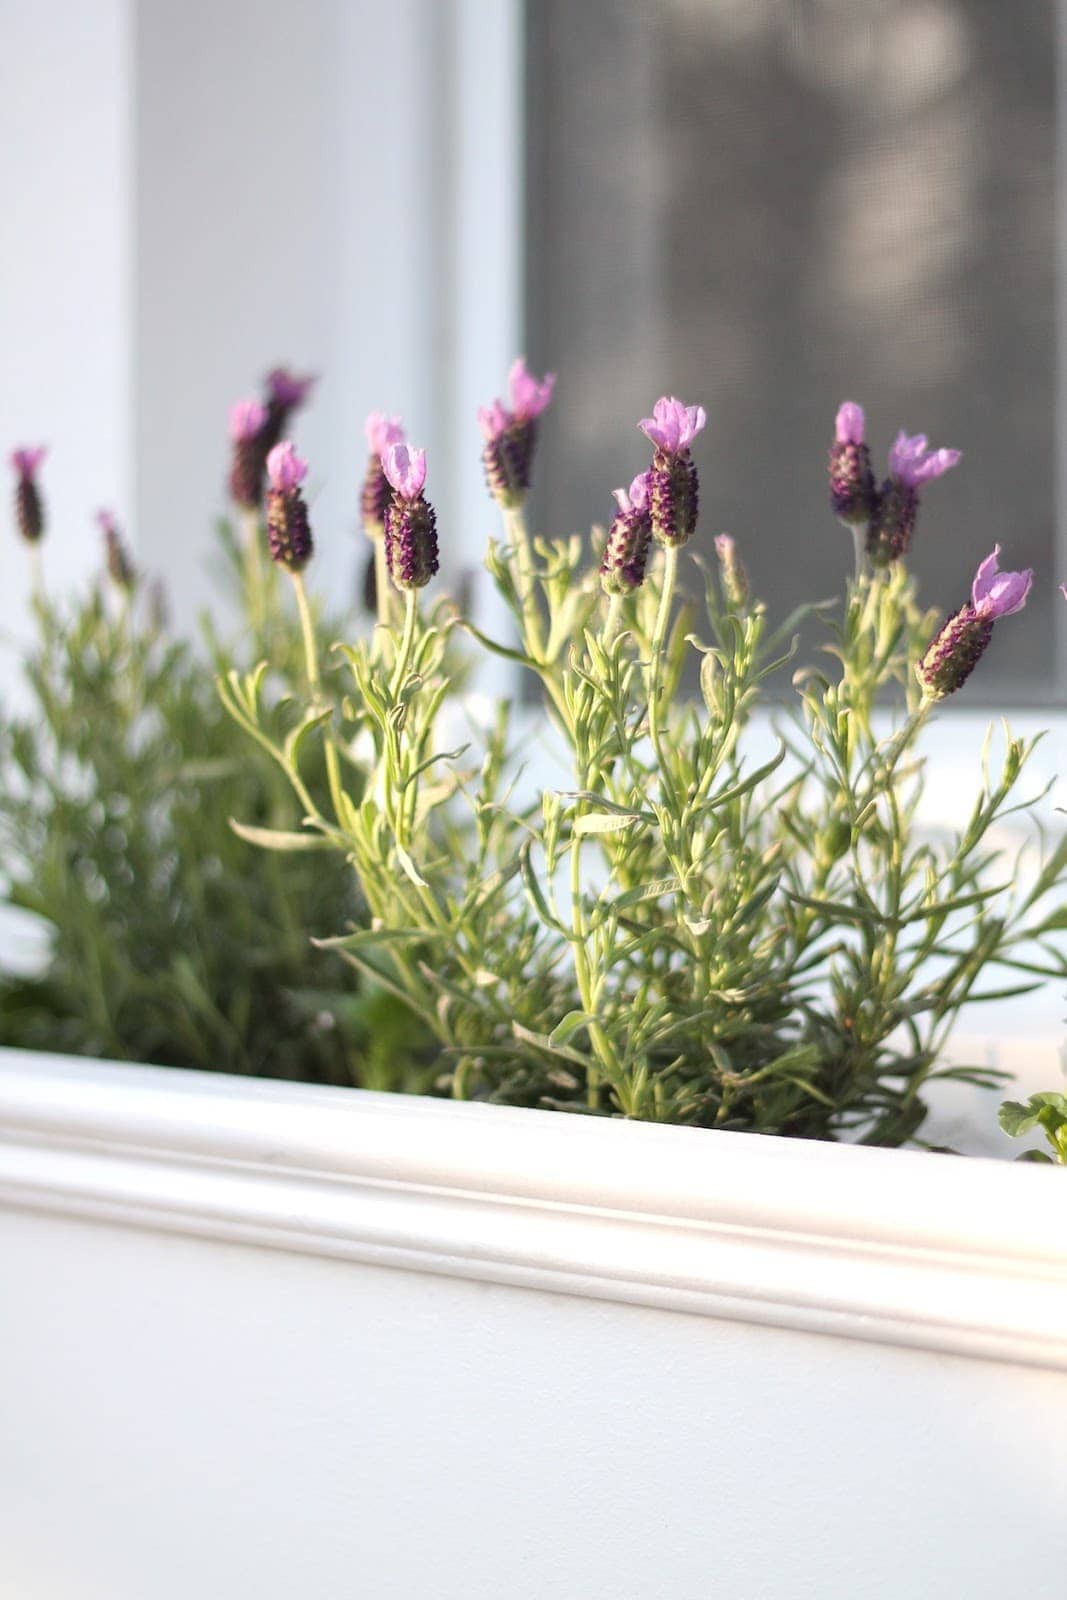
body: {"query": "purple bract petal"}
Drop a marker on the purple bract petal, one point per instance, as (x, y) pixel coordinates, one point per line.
(406, 470)
(382, 431)
(850, 425)
(673, 426)
(999, 594)
(246, 419)
(529, 397)
(494, 420)
(107, 522)
(285, 468)
(636, 497)
(26, 459)
(913, 463)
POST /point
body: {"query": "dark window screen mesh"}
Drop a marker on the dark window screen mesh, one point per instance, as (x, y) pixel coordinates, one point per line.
(769, 207)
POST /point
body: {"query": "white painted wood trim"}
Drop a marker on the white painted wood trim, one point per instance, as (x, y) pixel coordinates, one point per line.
(933, 1252)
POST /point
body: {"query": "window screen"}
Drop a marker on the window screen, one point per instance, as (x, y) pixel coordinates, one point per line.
(769, 207)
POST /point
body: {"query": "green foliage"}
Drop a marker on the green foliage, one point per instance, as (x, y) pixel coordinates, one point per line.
(1045, 1111)
(696, 929)
(171, 939)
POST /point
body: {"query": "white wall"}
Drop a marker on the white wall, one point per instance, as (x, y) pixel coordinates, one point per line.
(197, 192)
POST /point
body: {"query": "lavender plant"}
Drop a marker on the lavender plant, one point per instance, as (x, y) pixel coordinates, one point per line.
(695, 929)
(167, 940)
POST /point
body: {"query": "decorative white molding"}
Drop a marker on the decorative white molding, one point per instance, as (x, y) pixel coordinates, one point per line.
(934, 1252)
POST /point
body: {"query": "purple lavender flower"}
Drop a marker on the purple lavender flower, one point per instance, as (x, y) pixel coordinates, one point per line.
(248, 462)
(285, 393)
(120, 568)
(956, 649)
(911, 464)
(288, 527)
(376, 493)
(622, 569)
(736, 589)
(852, 491)
(29, 507)
(410, 521)
(674, 490)
(511, 434)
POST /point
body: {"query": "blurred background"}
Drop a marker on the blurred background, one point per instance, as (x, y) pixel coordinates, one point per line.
(764, 205)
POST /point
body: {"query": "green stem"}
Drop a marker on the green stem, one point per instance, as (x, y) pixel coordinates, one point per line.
(519, 539)
(659, 636)
(311, 656)
(407, 642)
(253, 569)
(383, 584)
(613, 618)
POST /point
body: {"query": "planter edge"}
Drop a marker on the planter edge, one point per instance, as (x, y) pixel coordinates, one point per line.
(967, 1257)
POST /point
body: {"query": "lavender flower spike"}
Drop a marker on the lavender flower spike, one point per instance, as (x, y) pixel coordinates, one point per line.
(376, 493)
(285, 393)
(911, 464)
(247, 424)
(29, 507)
(511, 434)
(288, 527)
(622, 569)
(120, 568)
(852, 492)
(955, 651)
(410, 520)
(674, 490)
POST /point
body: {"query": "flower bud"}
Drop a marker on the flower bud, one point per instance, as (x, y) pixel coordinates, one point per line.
(29, 507)
(674, 491)
(410, 521)
(288, 527)
(956, 649)
(911, 464)
(249, 459)
(852, 491)
(120, 568)
(622, 568)
(377, 492)
(511, 434)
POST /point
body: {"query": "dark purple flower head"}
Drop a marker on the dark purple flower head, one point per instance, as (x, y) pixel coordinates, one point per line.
(914, 463)
(996, 594)
(120, 568)
(625, 559)
(510, 434)
(911, 464)
(288, 527)
(957, 648)
(246, 420)
(672, 427)
(285, 389)
(673, 487)
(29, 507)
(529, 395)
(852, 492)
(376, 492)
